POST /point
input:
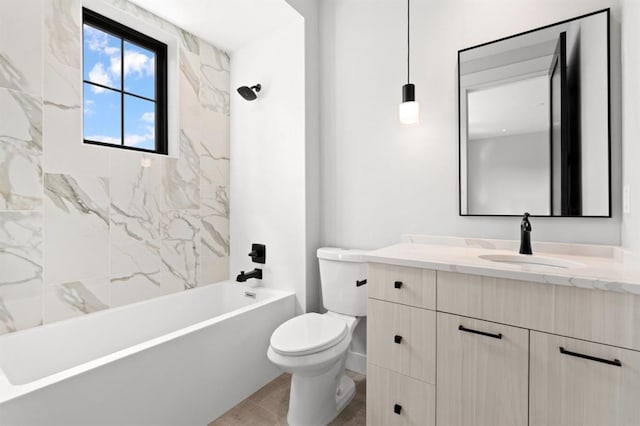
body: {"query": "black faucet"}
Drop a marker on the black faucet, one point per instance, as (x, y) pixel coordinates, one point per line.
(256, 273)
(525, 235)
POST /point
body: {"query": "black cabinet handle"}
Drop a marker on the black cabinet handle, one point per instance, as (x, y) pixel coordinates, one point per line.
(397, 284)
(397, 408)
(361, 283)
(615, 362)
(483, 333)
(397, 339)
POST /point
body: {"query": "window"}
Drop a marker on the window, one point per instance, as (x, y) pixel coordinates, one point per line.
(124, 86)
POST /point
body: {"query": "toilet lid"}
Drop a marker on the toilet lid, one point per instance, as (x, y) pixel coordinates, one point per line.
(307, 334)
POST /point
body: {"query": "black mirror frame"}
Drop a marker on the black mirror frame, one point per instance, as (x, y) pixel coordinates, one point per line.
(608, 16)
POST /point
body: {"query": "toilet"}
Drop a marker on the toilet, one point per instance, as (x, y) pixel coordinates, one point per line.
(313, 347)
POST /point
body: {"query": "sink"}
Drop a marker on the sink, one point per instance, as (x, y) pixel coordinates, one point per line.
(522, 259)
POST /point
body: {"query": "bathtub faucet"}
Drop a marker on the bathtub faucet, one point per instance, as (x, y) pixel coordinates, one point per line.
(256, 273)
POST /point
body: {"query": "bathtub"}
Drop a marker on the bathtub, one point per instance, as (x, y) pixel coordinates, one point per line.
(180, 359)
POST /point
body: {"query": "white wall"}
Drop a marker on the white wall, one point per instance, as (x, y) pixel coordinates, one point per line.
(309, 9)
(380, 179)
(268, 182)
(630, 119)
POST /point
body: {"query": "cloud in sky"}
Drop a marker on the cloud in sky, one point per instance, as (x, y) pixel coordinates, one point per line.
(99, 74)
(108, 66)
(149, 117)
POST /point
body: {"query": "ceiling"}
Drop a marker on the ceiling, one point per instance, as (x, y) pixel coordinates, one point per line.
(227, 24)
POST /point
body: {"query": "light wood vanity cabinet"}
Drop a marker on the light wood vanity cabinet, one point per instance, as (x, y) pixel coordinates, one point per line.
(482, 372)
(568, 389)
(401, 346)
(488, 351)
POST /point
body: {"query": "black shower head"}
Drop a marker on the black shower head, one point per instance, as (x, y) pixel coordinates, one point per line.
(249, 93)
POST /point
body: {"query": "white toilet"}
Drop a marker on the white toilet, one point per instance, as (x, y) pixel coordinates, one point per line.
(313, 347)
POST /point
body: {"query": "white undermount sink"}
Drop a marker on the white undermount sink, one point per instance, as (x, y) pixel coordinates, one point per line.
(523, 259)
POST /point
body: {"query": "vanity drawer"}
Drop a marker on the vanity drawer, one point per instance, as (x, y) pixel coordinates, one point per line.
(402, 338)
(395, 399)
(401, 284)
(583, 383)
(602, 316)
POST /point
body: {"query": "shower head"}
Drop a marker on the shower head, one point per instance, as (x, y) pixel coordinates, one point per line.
(249, 93)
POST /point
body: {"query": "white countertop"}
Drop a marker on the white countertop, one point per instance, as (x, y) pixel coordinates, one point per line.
(602, 267)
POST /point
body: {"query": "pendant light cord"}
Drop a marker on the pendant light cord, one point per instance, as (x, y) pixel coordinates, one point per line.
(408, 40)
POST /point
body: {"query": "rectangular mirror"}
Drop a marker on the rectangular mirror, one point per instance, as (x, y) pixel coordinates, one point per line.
(534, 122)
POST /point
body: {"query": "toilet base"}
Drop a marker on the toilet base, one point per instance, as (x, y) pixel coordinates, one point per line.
(345, 393)
(318, 400)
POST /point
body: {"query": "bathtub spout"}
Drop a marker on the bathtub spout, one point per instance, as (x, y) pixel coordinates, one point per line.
(256, 273)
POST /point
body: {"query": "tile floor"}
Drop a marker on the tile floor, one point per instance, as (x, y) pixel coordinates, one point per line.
(269, 405)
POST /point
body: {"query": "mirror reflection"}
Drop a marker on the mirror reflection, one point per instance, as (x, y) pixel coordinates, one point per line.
(534, 122)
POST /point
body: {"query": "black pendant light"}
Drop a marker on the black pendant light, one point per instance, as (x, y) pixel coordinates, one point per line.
(409, 110)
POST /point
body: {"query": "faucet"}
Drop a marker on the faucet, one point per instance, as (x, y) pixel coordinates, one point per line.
(525, 235)
(256, 273)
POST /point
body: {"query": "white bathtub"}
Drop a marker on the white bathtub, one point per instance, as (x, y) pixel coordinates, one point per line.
(181, 359)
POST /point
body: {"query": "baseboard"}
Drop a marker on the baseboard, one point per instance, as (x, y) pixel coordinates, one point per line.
(356, 362)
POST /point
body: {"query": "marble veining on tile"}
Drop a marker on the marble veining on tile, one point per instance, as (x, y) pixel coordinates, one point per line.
(80, 297)
(21, 124)
(62, 20)
(21, 266)
(189, 72)
(135, 212)
(180, 249)
(21, 46)
(76, 298)
(214, 70)
(181, 178)
(76, 220)
(136, 272)
(20, 179)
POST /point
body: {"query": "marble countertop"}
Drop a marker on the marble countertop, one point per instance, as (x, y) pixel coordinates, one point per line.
(600, 267)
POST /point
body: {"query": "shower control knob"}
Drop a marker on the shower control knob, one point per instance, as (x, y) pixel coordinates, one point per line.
(258, 253)
(397, 339)
(397, 284)
(397, 408)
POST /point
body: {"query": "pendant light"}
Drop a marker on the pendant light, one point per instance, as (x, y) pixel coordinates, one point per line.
(409, 110)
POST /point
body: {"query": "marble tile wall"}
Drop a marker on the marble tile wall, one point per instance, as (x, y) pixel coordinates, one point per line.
(84, 228)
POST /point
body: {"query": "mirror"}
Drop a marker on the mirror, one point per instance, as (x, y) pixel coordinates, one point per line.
(534, 122)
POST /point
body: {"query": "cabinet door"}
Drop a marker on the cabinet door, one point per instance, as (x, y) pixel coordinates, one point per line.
(395, 399)
(482, 374)
(575, 382)
(402, 338)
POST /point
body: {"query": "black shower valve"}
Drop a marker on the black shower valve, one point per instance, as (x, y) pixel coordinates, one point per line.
(258, 253)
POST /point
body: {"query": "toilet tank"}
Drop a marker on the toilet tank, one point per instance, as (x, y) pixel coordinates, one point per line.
(340, 270)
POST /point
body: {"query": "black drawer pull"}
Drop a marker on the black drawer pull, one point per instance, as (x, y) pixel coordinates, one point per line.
(397, 408)
(397, 339)
(361, 283)
(615, 362)
(397, 284)
(483, 333)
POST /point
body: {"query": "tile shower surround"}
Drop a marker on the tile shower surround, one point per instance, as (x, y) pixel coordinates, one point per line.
(84, 228)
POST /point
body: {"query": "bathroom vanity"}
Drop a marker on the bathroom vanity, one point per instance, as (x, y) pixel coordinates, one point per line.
(468, 332)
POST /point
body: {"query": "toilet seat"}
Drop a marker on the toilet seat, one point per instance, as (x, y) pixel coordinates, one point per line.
(308, 334)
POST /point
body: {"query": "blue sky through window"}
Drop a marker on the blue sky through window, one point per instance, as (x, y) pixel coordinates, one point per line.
(103, 65)
(101, 115)
(139, 70)
(139, 129)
